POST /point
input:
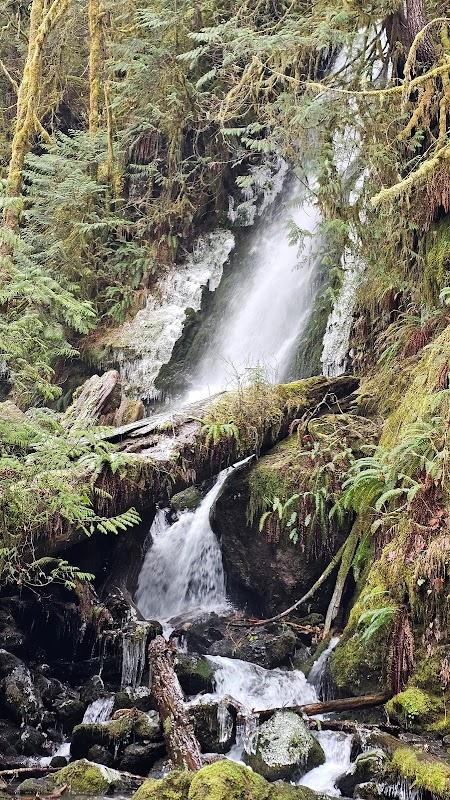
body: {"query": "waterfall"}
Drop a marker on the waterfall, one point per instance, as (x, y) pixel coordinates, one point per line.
(183, 569)
(337, 748)
(258, 688)
(99, 710)
(263, 316)
(319, 675)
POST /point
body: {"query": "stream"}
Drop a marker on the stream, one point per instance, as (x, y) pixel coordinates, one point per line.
(183, 574)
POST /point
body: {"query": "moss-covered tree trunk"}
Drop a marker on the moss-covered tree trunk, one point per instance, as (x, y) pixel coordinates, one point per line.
(182, 745)
(43, 18)
(95, 61)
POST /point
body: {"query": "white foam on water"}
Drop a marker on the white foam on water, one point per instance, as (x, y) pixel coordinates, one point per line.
(337, 748)
(183, 568)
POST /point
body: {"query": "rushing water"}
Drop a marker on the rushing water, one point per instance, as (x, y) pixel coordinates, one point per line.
(319, 673)
(262, 318)
(258, 688)
(337, 748)
(183, 569)
(99, 710)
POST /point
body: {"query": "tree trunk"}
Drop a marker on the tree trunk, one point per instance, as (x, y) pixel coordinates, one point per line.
(414, 20)
(346, 563)
(182, 745)
(42, 20)
(95, 60)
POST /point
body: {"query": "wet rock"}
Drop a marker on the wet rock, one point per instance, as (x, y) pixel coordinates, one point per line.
(285, 747)
(369, 791)
(214, 726)
(69, 712)
(35, 786)
(93, 690)
(20, 697)
(187, 500)
(8, 662)
(128, 726)
(139, 758)
(140, 698)
(195, 673)
(129, 411)
(368, 767)
(9, 738)
(266, 576)
(58, 762)
(100, 755)
(269, 646)
(32, 741)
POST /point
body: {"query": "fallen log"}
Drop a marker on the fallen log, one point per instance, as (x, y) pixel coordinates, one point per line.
(329, 706)
(170, 451)
(29, 772)
(349, 726)
(181, 742)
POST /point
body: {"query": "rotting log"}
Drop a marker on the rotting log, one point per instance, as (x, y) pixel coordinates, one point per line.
(181, 742)
(329, 706)
(170, 451)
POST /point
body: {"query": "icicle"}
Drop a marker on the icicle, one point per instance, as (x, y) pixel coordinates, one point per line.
(225, 721)
(133, 657)
(247, 731)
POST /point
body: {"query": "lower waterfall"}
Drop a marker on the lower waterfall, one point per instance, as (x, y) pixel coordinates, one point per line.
(182, 574)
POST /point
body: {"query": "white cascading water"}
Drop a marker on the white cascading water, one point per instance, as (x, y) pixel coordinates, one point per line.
(337, 748)
(318, 672)
(99, 710)
(263, 320)
(183, 568)
(258, 688)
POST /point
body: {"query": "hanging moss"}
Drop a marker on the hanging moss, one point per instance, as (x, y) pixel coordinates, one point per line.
(423, 770)
(437, 261)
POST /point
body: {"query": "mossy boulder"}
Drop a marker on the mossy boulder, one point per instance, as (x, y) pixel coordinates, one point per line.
(81, 778)
(415, 708)
(86, 778)
(285, 747)
(423, 770)
(368, 767)
(128, 726)
(226, 780)
(195, 673)
(187, 500)
(172, 787)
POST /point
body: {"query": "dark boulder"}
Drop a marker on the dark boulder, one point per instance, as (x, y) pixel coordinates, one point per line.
(32, 741)
(368, 768)
(269, 646)
(214, 726)
(69, 711)
(100, 755)
(139, 758)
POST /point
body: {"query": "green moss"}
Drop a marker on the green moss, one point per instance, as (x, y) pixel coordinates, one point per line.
(437, 261)
(173, 787)
(414, 707)
(226, 780)
(424, 771)
(86, 778)
(285, 791)
(358, 666)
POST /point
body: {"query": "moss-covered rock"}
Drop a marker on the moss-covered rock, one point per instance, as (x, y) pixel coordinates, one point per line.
(195, 673)
(285, 747)
(214, 726)
(226, 780)
(187, 500)
(86, 778)
(423, 770)
(126, 727)
(415, 708)
(172, 787)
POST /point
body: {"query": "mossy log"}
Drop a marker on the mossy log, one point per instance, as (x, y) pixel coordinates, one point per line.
(182, 745)
(171, 451)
